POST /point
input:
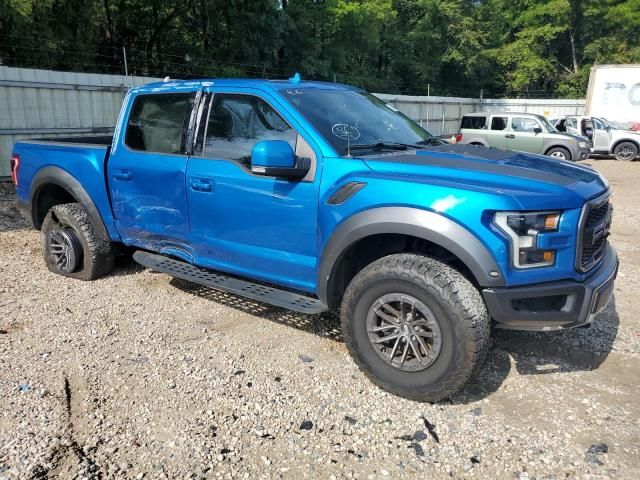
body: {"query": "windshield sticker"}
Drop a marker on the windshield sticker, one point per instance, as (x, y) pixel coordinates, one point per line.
(344, 131)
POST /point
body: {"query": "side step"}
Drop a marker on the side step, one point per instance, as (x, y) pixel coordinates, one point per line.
(219, 281)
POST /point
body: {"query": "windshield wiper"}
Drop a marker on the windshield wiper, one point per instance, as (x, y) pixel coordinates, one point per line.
(380, 146)
(433, 141)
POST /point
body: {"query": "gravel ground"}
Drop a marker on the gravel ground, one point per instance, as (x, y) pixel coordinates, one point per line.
(138, 375)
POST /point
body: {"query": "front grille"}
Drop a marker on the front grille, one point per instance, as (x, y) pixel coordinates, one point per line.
(594, 231)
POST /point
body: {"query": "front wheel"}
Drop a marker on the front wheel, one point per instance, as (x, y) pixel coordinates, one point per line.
(625, 151)
(560, 153)
(415, 326)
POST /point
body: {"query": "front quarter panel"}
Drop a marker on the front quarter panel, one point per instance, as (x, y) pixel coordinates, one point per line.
(468, 206)
(446, 200)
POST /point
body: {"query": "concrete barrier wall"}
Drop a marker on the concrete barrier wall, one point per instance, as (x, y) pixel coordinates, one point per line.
(36, 103)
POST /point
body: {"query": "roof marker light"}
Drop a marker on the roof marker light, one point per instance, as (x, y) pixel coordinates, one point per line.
(296, 79)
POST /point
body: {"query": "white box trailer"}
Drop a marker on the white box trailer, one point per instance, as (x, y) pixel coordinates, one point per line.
(614, 94)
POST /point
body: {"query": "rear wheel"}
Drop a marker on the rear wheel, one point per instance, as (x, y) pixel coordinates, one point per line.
(625, 151)
(71, 246)
(415, 326)
(560, 153)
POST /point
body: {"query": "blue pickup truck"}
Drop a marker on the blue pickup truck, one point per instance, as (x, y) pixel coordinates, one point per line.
(316, 196)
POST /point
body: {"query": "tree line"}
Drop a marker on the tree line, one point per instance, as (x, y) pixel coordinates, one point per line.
(445, 47)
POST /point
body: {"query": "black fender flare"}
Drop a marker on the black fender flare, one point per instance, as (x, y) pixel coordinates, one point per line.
(57, 176)
(424, 224)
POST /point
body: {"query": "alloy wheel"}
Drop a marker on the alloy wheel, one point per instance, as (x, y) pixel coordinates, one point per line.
(404, 332)
(560, 155)
(64, 249)
(625, 152)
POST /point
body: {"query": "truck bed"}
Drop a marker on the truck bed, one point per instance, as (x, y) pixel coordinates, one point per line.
(68, 159)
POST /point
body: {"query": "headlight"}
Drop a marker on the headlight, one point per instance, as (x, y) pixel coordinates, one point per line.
(583, 144)
(523, 229)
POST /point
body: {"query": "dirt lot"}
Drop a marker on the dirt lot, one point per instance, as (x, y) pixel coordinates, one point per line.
(138, 375)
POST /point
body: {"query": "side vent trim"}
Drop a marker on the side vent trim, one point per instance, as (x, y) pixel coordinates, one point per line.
(345, 192)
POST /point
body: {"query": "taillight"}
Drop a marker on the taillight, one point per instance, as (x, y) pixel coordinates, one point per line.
(15, 165)
(458, 138)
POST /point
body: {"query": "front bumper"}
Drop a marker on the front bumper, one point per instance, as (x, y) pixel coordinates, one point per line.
(554, 305)
(583, 153)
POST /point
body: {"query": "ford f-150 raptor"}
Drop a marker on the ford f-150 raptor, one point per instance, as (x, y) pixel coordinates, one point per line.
(317, 196)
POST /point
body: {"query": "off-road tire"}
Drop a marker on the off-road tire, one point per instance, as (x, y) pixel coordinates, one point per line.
(457, 305)
(559, 150)
(96, 255)
(625, 151)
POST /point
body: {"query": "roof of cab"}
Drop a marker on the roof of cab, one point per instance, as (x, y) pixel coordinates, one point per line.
(180, 85)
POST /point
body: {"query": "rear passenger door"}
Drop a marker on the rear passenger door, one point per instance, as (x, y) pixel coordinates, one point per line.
(497, 131)
(523, 136)
(146, 173)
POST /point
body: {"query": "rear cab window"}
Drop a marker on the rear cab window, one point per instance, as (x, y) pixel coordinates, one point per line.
(474, 123)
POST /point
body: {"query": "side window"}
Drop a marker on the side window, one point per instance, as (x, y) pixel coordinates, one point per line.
(561, 126)
(474, 123)
(498, 123)
(598, 124)
(236, 123)
(522, 124)
(157, 122)
(571, 122)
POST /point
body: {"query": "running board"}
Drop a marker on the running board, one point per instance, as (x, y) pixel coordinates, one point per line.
(219, 281)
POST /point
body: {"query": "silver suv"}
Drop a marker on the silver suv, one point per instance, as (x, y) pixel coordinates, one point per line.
(524, 132)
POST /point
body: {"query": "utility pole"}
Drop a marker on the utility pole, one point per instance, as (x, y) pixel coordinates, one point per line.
(124, 54)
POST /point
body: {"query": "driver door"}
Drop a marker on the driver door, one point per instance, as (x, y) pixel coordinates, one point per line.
(601, 136)
(526, 135)
(246, 224)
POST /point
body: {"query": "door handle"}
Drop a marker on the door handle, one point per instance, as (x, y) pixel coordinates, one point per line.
(509, 135)
(123, 175)
(201, 185)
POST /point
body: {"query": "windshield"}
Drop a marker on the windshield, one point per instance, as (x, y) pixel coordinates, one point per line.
(550, 128)
(356, 118)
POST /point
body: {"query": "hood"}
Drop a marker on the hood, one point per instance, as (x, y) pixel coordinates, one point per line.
(633, 134)
(533, 181)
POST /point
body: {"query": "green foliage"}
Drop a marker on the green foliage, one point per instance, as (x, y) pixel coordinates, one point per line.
(454, 47)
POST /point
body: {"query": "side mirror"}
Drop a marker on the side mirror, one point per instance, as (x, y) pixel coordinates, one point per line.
(275, 158)
(537, 130)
